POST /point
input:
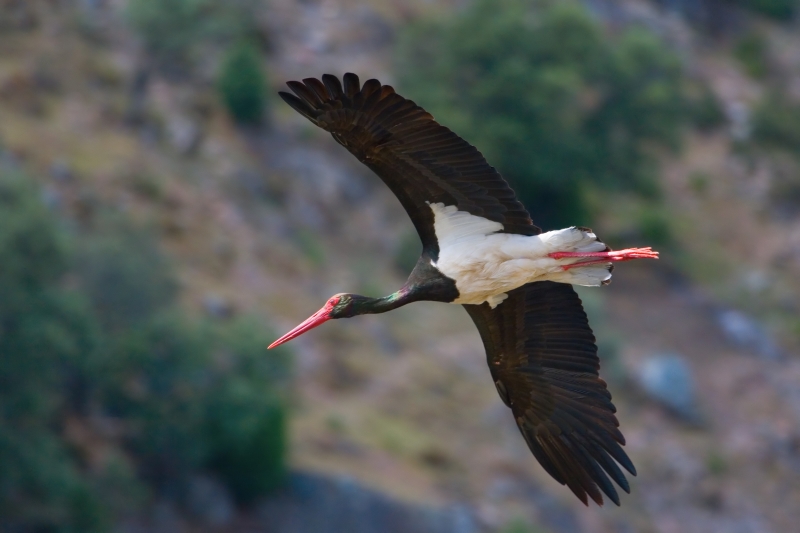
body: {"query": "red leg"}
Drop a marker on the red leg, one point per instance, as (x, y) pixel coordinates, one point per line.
(605, 257)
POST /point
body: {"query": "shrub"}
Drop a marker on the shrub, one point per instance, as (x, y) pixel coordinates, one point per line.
(47, 339)
(125, 276)
(174, 31)
(407, 252)
(705, 109)
(204, 398)
(776, 123)
(245, 414)
(777, 9)
(242, 84)
(190, 396)
(549, 98)
(751, 51)
(247, 430)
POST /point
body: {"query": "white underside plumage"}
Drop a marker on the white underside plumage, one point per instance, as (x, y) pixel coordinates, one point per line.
(486, 264)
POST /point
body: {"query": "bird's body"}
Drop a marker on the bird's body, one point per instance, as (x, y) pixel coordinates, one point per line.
(481, 250)
(486, 265)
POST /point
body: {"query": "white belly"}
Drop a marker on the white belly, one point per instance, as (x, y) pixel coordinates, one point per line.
(486, 265)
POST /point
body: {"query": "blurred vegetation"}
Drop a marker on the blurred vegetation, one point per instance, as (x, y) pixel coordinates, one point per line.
(554, 101)
(705, 110)
(776, 129)
(177, 33)
(242, 83)
(751, 51)
(407, 252)
(777, 9)
(47, 338)
(124, 275)
(110, 396)
(776, 123)
(521, 526)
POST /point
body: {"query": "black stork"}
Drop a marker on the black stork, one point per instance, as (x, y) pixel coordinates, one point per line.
(480, 249)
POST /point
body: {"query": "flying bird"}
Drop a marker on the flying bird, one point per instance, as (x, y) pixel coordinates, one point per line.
(480, 249)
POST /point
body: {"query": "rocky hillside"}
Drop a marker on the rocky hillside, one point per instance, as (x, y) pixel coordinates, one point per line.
(274, 218)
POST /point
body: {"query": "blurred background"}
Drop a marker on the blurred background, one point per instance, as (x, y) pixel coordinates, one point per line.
(164, 216)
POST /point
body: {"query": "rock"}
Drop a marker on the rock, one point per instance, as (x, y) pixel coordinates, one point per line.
(313, 503)
(217, 306)
(185, 135)
(739, 120)
(60, 171)
(165, 518)
(668, 380)
(51, 198)
(747, 333)
(210, 502)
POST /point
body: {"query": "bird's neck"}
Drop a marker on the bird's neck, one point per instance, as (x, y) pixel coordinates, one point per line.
(373, 306)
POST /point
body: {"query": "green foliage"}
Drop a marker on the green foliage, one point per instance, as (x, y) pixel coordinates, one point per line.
(124, 275)
(33, 255)
(776, 127)
(549, 98)
(201, 397)
(407, 252)
(784, 191)
(654, 227)
(716, 463)
(41, 486)
(311, 246)
(45, 336)
(705, 109)
(190, 396)
(751, 51)
(521, 526)
(245, 415)
(157, 374)
(699, 182)
(777, 9)
(174, 31)
(776, 123)
(242, 83)
(248, 433)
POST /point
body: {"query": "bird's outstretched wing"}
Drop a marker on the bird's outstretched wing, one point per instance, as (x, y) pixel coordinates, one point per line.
(543, 359)
(420, 160)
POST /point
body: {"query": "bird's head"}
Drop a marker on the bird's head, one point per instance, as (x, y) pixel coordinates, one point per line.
(340, 305)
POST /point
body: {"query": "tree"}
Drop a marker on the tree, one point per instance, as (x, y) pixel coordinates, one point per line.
(243, 84)
(47, 337)
(174, 31)
(192, 396)
(550, 98)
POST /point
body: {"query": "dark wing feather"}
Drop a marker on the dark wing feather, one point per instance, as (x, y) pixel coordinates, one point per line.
(543, 359)
(420, 160)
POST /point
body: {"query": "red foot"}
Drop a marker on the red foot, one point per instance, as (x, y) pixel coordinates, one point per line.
(605, 257)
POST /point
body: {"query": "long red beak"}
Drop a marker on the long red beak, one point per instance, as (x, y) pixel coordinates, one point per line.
(321, 316)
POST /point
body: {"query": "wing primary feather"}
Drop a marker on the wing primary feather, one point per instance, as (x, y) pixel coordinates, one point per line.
(596, 474)
(370, 86)
(351, 84)
(540, 347)
(299, 105)
(417, 158)
(305, 93)
(334, 87)
(370, 100)
(609, 466)
(319, 89)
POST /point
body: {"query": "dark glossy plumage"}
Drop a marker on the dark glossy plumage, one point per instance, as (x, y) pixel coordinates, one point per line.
(420, 160)
(543, 359)
(540, 349)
